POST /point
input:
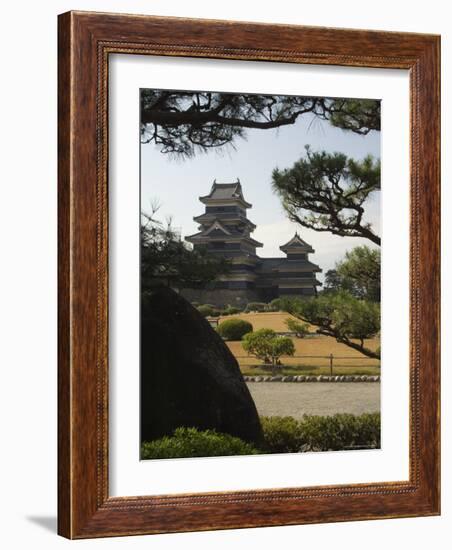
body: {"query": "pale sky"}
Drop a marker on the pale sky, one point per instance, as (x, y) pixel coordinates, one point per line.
(176, 184)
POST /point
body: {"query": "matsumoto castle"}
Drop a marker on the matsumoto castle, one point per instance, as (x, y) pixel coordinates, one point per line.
(225, 230)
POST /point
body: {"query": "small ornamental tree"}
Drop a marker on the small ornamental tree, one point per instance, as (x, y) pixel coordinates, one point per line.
(234, 329)
(300, 329)
(267, 346)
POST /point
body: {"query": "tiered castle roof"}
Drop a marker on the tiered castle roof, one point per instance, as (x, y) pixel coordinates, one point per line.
(225, 230)
(297, 245)
(226, 192)
(225, 216)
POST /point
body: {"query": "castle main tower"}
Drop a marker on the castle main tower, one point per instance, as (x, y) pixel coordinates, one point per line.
(225, 230)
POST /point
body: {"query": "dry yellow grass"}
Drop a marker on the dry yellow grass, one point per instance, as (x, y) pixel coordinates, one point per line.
(316, 348)
(273, 320)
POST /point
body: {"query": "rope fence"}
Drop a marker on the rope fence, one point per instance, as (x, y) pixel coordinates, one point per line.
(331, 357)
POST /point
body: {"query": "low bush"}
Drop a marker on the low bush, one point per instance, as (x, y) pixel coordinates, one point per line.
(205, 310)
(274, 305)
(190, 442)
(257, 307)
(281, 434)
(208, 310)
(231, 310)
(321, 433)
(334, 433)
(234, 329)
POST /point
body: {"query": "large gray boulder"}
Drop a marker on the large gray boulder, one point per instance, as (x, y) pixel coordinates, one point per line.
(188, 375)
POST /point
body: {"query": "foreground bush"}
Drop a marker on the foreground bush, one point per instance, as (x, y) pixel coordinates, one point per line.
(190, 442)
(281, 433)
(284, 434)
(234, 329)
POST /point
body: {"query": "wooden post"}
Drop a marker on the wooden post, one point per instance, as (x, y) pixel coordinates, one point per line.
(331, 364)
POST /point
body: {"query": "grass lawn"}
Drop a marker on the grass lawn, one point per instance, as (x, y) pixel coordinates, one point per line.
(311, 353)
(273, 320)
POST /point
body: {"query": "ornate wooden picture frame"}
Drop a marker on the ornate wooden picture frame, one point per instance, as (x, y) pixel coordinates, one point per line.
(86, 41)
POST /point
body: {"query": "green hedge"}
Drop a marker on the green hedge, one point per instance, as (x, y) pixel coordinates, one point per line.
(190, 442)
(253, 307)
(231, 310)
(207, 310)
(234, 329)
(281, 434)
(274, 305)
(284, 434)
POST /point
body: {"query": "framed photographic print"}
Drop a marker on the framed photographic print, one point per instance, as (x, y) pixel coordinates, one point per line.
(248, 275)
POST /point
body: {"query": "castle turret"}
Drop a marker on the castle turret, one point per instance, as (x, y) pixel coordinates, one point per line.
(296, 275)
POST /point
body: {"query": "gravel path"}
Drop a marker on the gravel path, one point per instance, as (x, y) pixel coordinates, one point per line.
(322, 398)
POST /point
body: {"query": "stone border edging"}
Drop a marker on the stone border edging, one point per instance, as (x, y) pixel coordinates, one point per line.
(303, 378)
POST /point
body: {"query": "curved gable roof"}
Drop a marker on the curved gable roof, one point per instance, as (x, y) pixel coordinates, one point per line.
(296, 243)
(226, 191)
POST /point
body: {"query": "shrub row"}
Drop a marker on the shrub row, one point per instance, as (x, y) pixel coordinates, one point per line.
(282, 434)
(256, 307)
(206, 310)
(190, 442)
(209, 310)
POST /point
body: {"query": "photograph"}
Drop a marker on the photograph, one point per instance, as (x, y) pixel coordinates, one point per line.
(226, 328)
(260, 268)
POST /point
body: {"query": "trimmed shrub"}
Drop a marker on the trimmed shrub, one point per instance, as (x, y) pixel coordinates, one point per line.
(231, 310)
(234, 329)
(284, 434)
(208, 310)
(205, 310)
(335, 433)
(255, 307)
(281, 434)
(190, 442)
